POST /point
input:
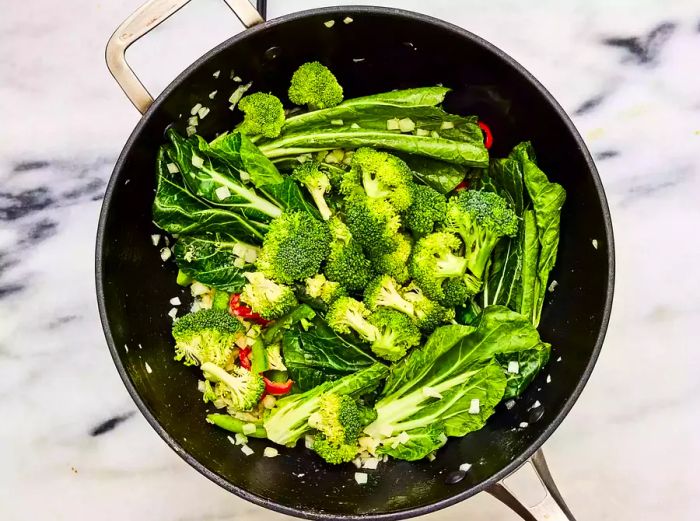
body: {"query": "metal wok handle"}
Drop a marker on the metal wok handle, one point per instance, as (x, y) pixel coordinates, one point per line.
(551, 508)
(143, 20)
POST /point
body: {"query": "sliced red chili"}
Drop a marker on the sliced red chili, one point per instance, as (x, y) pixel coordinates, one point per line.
(238, 309)
(244, 358)
(277, 389)
(488, 136)
(464, 185)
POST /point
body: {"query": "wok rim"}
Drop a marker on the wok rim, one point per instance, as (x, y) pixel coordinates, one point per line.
(409, 512)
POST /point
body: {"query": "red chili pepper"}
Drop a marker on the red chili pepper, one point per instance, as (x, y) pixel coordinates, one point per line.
(277, 389)
(238, 309)
(488, 136)
(244, 357)
(464, 185)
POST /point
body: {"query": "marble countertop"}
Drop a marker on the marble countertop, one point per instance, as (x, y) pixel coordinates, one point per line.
(72, 444)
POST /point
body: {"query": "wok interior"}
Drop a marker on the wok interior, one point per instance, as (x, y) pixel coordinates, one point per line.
(397, 51)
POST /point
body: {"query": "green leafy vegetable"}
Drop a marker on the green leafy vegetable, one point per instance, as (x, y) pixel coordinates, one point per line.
(439, 175)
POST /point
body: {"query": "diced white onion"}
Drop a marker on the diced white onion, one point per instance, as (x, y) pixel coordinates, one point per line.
(216, 74)
(247, 450)
(241, 439)
(245, 176)
(535, 405)
(197, 289)
(212, 94)
(197, 161)
(193, 121)
(222, 193)
(269, 401)
(513, 367)
(165, 254)
(329, 23)
(357, 462)
(464, 467)
(175, 301)
(126, 348)
(549, 378)
(239, 263)
(271, 452)
(403, 437)
(238, 94)
(407, 125)
(202, 113)
(155, 239)
(148, 368)
(474, 406)
(191, 130)
(140, 346)
(248, 428)
(348, 20)
(370, 463)
(594, 242)
(195, 109)
(442, 438)
(387, 431)
(337, 122)
(355, 126)
(308, 441)
(422, 132)
(523, 425)
(230, 439)
(167, 240)
(553, 286)
(431, 456)
(559, 359)
(510, 404)
(393, 124)
(361, 478)
(358, 60)
(446, 125)
(431, 393)
(172, 313)
(172, 168)
(237, 79)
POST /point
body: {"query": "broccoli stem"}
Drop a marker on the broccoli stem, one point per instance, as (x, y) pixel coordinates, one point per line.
(451, 266)
(363, 328)
(321, 204)
(232, 424)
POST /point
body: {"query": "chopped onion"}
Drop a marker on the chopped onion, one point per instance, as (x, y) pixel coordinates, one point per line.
(269, 401)
(202, 113)
(535, 405)
(553, 286)
(172, 313)
(197, 289)
(233, 442)
(222, 193)
(474, 406)
(337, 122)
(212, 94)
(523, 425)
(510, 404)
(195, 109)
(237, 79)
(370, 463)
(431, 456)
(270, 452)
(403, 437)
(549, 378)
(247, 450)
(126, 348)
(329, 23)
(175, 301)
(513, 367)
(191, 130)
(148, 368)
(357, 462)
(361, 478)
(308, 441)
(241, 439)
(358, 60)
(407, 125)
(355, 126)
(594, 242)
(464, 467)
(165, 254)
(393, 124)
(172, 168)
(422, 132)
(431, 393)
(248, 428)
(193, 121)
(238, 94)
(347, 20)
(197, 161)
(446, 125)
(387, 431)
(155, 239)
(216, 74)
(245, 176)
(559, 359)
(239, 262)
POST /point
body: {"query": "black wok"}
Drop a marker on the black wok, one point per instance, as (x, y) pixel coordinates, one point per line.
(398, 49)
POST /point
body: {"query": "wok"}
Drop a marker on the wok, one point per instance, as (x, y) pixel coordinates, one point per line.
(382, 49)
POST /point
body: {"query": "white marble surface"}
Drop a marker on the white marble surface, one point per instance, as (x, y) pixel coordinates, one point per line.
(630, 448)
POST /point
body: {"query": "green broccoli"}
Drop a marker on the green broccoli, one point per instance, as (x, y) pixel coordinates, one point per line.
(427, 209)
(396, 334)
(264, 115)
(346, 264)
(435, 262)
(395, 263)
(481, 219)
(240, 390)
(326, 291)
(317, 183)
(380, 176)
(334, 453)
(347, 314)
(374, 224)
(315, 86)
(207, 335)
(427, 313)
(267, 298)
(294, 247)
(383, 291)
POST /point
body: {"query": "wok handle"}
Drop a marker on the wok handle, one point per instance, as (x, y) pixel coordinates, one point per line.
(551, 508)
(143, 20)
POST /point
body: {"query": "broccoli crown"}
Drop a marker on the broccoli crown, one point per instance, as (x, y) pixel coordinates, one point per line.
(347, 314)
(481, 219)
(374, 223)
(207, 335)
(315, 86)
(239, 390)
(395, 263)
(267, 298)
(381, 176)
(294, 247)
(427, 313)
(334, 453)
(383, 291)
(428, 208)
(327, 291)
(435, 260)
(263, 115)
(397, 334)
(338, 418)
(317, 183)
(347, 265)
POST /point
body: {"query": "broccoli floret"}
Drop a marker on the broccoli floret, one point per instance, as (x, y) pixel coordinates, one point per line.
(374, 224)
(347, 314)
(346, 263)
(397, 334)
(267, 298)
(427, 313)
(481, 219)
(240, 390)
(383, 291)
(338, 418)
(381, 176)
(334, 453)
(326, 291)
(294, 247)
(207, 335)
(428, 208)
(315, 86)
(435, 261)
(317, 183)
(264, 115)
(396, 262)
